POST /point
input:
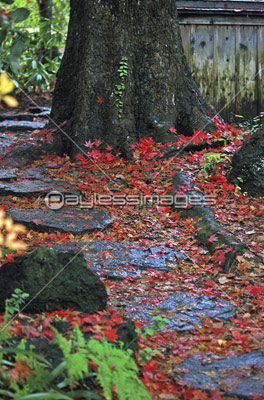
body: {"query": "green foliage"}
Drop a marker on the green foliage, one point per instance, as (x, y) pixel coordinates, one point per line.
(211, 160)
(12, 306)
(40, 380)
(120, 88)
(17, 300)
(116, 368)
(253, 124)
(29, 47)
(10, 55)
(147, 353)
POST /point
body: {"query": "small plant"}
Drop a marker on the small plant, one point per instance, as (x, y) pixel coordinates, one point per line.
(250, 126)
(211, 160)
(13, 305)
(120, 88)
(147, 353)
(29, 375)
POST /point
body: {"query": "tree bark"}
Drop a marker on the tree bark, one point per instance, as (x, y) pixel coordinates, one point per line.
(159, 90)
(45, 9)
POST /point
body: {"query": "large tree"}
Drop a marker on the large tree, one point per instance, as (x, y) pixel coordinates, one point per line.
(123, 76)
(156, 90)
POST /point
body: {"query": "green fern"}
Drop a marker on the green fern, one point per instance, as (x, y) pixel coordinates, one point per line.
(116, 369)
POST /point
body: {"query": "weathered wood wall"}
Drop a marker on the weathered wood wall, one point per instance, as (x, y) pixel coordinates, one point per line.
(224, 46)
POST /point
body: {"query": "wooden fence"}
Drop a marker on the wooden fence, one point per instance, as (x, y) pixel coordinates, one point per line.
(224, 45)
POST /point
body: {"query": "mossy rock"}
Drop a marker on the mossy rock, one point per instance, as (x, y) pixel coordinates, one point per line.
(55, 281)
(248, 166)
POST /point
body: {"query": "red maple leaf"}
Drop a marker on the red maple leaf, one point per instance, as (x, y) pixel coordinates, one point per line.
(99, 100)
(172, 130)
(97, 142)
(199, 136)
(109, 148)
(37, 222)
(110, 334)
(212, 239)
(88, 144)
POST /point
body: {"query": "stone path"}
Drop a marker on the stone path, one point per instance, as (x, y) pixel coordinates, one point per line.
(241, 376)
(20, 126)
(185, 311)
(68, 220)
(124, 260)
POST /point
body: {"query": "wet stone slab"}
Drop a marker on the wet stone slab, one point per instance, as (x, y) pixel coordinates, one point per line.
(19, 117)
(124, 260)
(40, 110)
(20, 126)
(68, 220)
(37, 188)
(241, 376)
(8, 174)
(184, 310)
(15, 173)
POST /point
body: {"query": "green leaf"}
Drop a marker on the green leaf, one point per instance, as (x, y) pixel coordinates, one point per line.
(43, 396)
(17, 48)
(7, 393)
(4, 22)
(20, 14)
(14, 64)
(29, 353)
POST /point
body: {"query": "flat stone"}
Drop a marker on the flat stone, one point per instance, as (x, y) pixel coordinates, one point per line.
(119, 260)
(37, 188)
(37, 110)
(67, 220)
(193, 309)
(185, 311)
(31, 173)
(20, 117)
(241, 376)
(9, 139)
(8, 174)
(20, 126)
(15, 173)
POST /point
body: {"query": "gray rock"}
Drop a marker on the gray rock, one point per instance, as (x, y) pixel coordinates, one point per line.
(15, 173)
(37, 110)
(36, 188)
(124, 260)
(248, 165)
(20, 117)
(67, 220)
(207, 223)
(240, 376)
(20, 126)
(8, 174)
(55, 281)
(193, 309)
(185, 311)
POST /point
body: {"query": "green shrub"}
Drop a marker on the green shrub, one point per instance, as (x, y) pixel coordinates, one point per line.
(116, 369)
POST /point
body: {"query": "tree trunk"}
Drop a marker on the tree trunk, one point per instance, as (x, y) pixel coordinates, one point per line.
(157, 89)
(45, 9)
